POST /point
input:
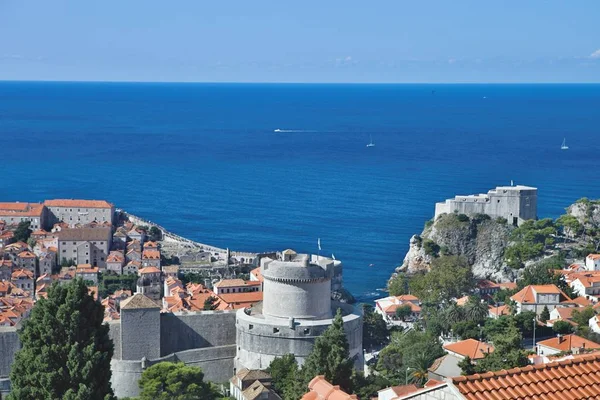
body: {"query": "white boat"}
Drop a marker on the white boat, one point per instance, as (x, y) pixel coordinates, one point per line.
(277, 130)
(564, 146)
(371, 144)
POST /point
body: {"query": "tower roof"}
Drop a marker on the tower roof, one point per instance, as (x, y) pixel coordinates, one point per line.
(138, 301)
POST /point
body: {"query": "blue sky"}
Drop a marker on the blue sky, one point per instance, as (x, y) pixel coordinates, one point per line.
(304, 41)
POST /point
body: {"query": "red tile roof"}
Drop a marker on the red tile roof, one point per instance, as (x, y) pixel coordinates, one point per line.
(78, 203)
(241, 300)
(582, 301)
(149, 270)
(21, 209)
(470, 347)
(22, 274)
(227, 283)
(568, 343)
(569, 379)
(500, 310)
(527, 294)
(26, 254)
(151, 255)
(320, 389)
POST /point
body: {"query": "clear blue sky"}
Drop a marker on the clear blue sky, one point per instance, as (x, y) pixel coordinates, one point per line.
(301, 41)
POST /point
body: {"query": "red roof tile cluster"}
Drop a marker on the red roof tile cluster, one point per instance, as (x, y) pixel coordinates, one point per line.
(241, 300)
(229, 283)
(151, 255)
(320, 389)
(569, 343)
(527, 294)
(471, 348)
(574, 379)
(78, 203)
(21, 209)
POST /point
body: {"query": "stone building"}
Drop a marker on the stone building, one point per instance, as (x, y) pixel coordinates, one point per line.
(27, 260)
(82, 212)
(85, 245)
(296, 309)
(515, 203)
(47, 262)
(115, 262)
(13, 213)
(150, 283)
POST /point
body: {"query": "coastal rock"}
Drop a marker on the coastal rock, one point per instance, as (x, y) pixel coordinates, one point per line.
(479, 239)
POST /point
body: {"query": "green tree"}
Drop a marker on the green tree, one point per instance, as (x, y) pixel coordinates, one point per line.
(562, 327)
(403, 311)
(466, 330)
(375, 332)
(330, 356)
(155, 233)
(211, 303)
(418, 365)
(507, 351)
(524, 322)
(449, 277)
(431, 248)
(390, 362)
(476, 310)
(285, 373)
(454, 314)
(466, 366)
(545, 315)
(569, 225)
(583, 317)
(174, 381)
(66, 350)
(22, 232)
(398, 285)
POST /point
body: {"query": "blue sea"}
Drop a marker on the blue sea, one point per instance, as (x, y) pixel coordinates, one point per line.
(204, 161)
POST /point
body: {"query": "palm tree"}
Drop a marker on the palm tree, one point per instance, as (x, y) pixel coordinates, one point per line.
(476, 310)
(418, 366)
(453, 314)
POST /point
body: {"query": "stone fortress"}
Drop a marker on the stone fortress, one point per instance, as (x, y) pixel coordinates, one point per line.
(296, 309)
(515, 203)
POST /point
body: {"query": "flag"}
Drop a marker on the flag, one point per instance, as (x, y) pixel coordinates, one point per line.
(319, 243)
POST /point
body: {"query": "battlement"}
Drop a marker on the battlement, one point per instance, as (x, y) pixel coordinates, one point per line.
(515, 203)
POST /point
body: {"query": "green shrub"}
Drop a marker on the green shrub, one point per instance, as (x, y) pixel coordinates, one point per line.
(501, 220)
(462, 217)
(431, 248)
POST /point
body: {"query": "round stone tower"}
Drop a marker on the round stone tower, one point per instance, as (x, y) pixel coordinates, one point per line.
(296, 309)
(295, 288)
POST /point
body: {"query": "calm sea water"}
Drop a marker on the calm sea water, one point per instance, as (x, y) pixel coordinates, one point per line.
(204, 161)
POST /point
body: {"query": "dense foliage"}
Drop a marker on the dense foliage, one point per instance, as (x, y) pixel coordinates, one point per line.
(174, 381)
(529, 241)
(66, 349)
(398, 285)
(108, 283)
(449, 277)
(22, 233)
(375, 332)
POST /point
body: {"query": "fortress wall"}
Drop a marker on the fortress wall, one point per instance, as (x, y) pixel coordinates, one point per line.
(184, 331)
(9, 345)
(216, 363)
(115, 335)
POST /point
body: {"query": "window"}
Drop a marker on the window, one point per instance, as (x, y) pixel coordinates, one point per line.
(250, 326)
(64, 243)
(74, 242)
(275, 330)
(307, 331)
(64, 251)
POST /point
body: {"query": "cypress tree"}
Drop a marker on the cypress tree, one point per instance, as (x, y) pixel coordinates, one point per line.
(331, 357)
(66, 349)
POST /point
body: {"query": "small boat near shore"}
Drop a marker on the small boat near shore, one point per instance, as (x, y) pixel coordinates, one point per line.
(564, 146)
(371, 144)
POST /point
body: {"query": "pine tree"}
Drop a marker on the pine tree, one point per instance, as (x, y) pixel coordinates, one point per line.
(66, 349)
(331, 357)
(174, 381)
(545, 314)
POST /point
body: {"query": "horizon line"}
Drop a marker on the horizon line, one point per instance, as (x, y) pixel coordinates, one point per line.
(290, 83)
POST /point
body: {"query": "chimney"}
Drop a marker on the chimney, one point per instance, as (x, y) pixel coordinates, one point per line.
(560, 338)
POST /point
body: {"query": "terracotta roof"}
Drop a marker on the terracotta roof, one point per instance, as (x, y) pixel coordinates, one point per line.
(151, 255)
(593, 256)
(21, 209)
(588, 280)
(115, 256)
(500, 310)
(257, 274)
(527, 294)
(568, 343)
(22, 274)
(151, 245)
(462, 301)
(226, 283)
(86, 269)
(391, 309)
(569, 379)
(407, 297)
(508, 285)
(138, 301)
(320, 389)
(582, 301)
(26, 254)
(241, 300)
(402, 389)
(149, 270)
(78, 203)
(470, 347)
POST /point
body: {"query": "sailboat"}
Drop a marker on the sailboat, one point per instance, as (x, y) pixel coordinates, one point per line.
(564, 146)
(371, 144)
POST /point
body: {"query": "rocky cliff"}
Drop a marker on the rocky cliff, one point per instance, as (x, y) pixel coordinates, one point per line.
(478, 238)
